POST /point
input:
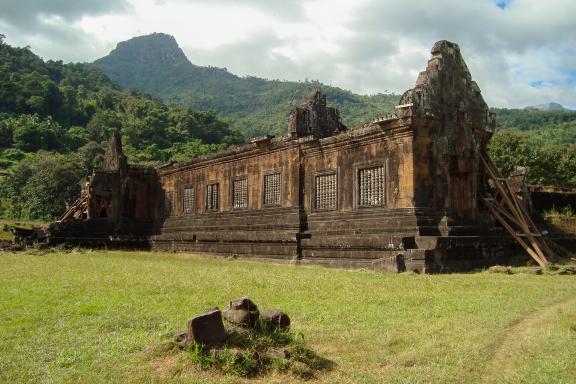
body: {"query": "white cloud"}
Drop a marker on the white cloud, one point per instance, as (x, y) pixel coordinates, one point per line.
(367, 46)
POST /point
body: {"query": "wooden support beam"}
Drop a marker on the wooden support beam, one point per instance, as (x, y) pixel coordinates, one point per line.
(79, 206)
(513, 216)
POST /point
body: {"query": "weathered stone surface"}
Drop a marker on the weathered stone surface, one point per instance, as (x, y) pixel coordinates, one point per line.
(315, 118)
(243, 303)
(279, 354)
(9, 246)
(275, 318)
(390, 264)
(181, 337)
(243, 312)
(206, 328)
(114, 159)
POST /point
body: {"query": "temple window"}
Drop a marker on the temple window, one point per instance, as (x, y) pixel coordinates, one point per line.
(272, 189)
(240, 193)
(188, 200)
(212, 196)
(371, 186)
(325, 191)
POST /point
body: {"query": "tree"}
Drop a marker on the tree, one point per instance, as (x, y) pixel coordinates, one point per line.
(192, 149)
(102, 124)
(76, 137)
(31, 134)
(90, 157)
(39, 185)
(550, 164)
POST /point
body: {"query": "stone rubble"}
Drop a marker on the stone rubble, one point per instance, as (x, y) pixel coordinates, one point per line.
(242, 312)
(208, 328)
(276, 319)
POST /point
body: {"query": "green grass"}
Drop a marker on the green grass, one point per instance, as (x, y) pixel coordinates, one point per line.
(92, 317)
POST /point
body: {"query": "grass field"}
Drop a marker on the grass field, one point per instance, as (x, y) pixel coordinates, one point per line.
(91, 316)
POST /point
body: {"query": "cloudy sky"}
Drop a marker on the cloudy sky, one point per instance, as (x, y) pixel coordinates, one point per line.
(521, 52)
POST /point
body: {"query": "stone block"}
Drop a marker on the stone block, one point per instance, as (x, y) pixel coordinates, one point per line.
(390, 264)
(276, 319)
(206, 328)
(242, 312)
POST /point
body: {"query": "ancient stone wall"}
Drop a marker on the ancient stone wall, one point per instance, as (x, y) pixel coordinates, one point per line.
(396, 194)
(452, 127)
(258, 205)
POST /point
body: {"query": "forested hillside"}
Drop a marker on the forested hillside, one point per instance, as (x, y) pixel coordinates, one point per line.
(155, 64)
(55, 120)
(549, 127)
(543, 141)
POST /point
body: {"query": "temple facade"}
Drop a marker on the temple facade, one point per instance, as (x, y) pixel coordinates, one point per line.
(399, 193)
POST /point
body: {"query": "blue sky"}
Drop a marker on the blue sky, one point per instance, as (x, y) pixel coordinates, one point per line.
(521, 52)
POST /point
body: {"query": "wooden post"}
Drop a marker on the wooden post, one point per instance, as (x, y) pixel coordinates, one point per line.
(513, 216)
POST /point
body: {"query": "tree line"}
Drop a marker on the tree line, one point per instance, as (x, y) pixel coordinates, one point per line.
(56, 118)
(543, 141)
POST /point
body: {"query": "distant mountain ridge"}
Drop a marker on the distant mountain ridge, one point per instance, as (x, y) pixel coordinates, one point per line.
(548, 107)
(157, 65)
(152, 63)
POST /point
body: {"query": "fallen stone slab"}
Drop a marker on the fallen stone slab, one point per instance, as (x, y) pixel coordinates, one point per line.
(206, 329)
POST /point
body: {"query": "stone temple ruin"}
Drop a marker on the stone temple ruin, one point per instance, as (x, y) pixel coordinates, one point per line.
(400, 193)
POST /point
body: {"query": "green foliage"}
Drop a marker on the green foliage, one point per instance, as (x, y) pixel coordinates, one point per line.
(40, 184)
(565, 212)
(90, 157)
(77, 137)
(61, 107)
(10, 156)
(192, 149)
(73, 109)
(543, 141)
(31, 134)
(532, 120)
(550, 164)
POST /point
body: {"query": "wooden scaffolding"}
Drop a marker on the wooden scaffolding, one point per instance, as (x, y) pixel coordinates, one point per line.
(76, 210)
(507, 208)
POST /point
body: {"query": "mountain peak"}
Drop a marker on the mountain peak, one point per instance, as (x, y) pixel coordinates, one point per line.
(158, 48)
(155, 64)
(152, 55)
(547, 107)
